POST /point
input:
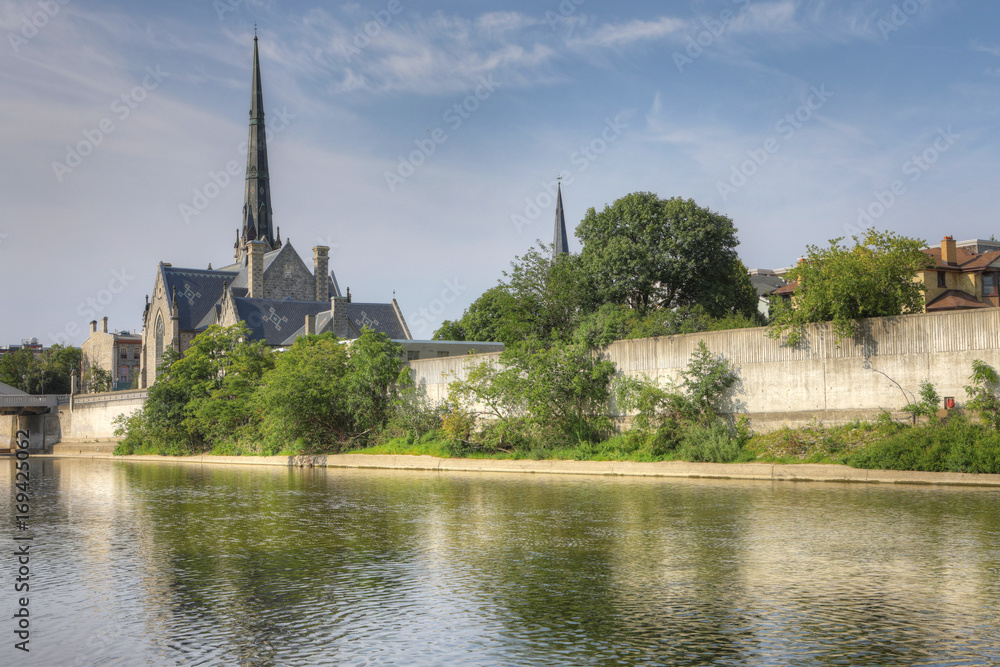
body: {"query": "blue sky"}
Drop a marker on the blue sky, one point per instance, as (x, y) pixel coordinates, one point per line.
(420, 139)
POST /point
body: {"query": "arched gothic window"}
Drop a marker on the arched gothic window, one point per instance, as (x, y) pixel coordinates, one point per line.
(159, 337)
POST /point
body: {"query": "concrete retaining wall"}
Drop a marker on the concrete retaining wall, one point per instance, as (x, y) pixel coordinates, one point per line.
(819, 381)
(92, 415)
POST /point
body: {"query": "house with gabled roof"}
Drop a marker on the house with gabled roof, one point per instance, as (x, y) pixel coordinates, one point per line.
(267, 285)
(965, 275)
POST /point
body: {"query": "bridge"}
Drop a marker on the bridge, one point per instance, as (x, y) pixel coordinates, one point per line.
(24, 411)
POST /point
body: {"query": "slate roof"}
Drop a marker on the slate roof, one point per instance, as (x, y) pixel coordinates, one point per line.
(280, 322)
(275, 321)
(198, 291)
(378, 316)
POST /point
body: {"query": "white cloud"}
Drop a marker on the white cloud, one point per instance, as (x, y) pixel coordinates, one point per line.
(621, 34)
(992, 49)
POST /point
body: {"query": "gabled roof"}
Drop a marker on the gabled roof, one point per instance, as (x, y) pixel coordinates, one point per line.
(198, 290)
(954, 299)
(967, 261)
(765, 284)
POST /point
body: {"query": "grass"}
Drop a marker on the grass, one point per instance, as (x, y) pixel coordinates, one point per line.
(957, 445)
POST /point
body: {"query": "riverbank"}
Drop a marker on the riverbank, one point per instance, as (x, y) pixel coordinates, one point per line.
(804, 472)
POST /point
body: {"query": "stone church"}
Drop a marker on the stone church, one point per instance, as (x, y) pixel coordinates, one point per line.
(267, 285)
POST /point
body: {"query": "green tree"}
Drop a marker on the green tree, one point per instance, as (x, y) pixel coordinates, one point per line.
(562, 389)
(98, 379)
(843, 285)
(327, 395)
(653, 253)
(202, 397)
(19, 369)
(305, 395)
(47, 372)
(542, 299)
(376, 374)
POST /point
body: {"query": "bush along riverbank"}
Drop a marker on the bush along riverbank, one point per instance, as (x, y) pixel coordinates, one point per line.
(227, 396)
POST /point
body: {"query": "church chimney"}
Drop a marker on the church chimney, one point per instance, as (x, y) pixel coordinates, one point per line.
(104, 325)
(321, 270)
(310, 324)
(255, 270)
(338, 316)
(93, 326)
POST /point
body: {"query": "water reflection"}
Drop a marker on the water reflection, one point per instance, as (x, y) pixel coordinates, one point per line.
(184, 564)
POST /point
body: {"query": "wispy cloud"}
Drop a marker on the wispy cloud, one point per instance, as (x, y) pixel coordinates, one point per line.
(992, 49)
(615, 35)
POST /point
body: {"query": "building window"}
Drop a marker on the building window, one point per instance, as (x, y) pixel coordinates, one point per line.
(412, 355)
(941, 282)
(124, 353)
(989, 284)
(443, 354)
(159, 337)
(123, 373)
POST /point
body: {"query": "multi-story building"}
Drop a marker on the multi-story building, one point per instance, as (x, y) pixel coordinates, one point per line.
(966, 274)
(118, 353)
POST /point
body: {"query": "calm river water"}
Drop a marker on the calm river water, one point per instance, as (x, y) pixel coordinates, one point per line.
(179, 564)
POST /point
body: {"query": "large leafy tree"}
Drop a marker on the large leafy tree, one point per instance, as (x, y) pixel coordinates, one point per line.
(542, 299)
(45, 373)
(841, 284)
(652, 253)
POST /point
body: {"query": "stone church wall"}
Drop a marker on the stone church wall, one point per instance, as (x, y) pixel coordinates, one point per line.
(288, 276)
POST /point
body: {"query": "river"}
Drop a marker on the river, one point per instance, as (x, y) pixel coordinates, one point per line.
(179, 564)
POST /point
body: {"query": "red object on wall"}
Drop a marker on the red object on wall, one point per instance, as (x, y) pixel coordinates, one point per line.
(949, 403)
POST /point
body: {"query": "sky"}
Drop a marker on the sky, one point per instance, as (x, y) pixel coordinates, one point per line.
(421, 141)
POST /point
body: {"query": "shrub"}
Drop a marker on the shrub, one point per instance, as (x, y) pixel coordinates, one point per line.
(715, 442)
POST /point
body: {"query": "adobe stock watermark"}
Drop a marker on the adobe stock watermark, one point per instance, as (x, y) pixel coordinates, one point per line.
(581, 159)
(218, 181)
(92, 306)
(223, 7)
(455, 116)
(365, 32)
(420, 321)
(706, 38)
(35, 21)
(121, 107)
(913, 169)
(567, 10)
(899, 16)
(740, 174)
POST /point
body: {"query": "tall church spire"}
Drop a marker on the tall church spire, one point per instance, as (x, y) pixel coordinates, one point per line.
(560, 244)
(257, 223)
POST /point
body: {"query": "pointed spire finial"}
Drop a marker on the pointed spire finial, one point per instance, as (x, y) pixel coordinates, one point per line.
(257, 222)
(560, 242)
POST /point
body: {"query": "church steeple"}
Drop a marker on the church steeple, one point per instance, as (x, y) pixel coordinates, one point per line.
(560, 244)
(257, 223)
